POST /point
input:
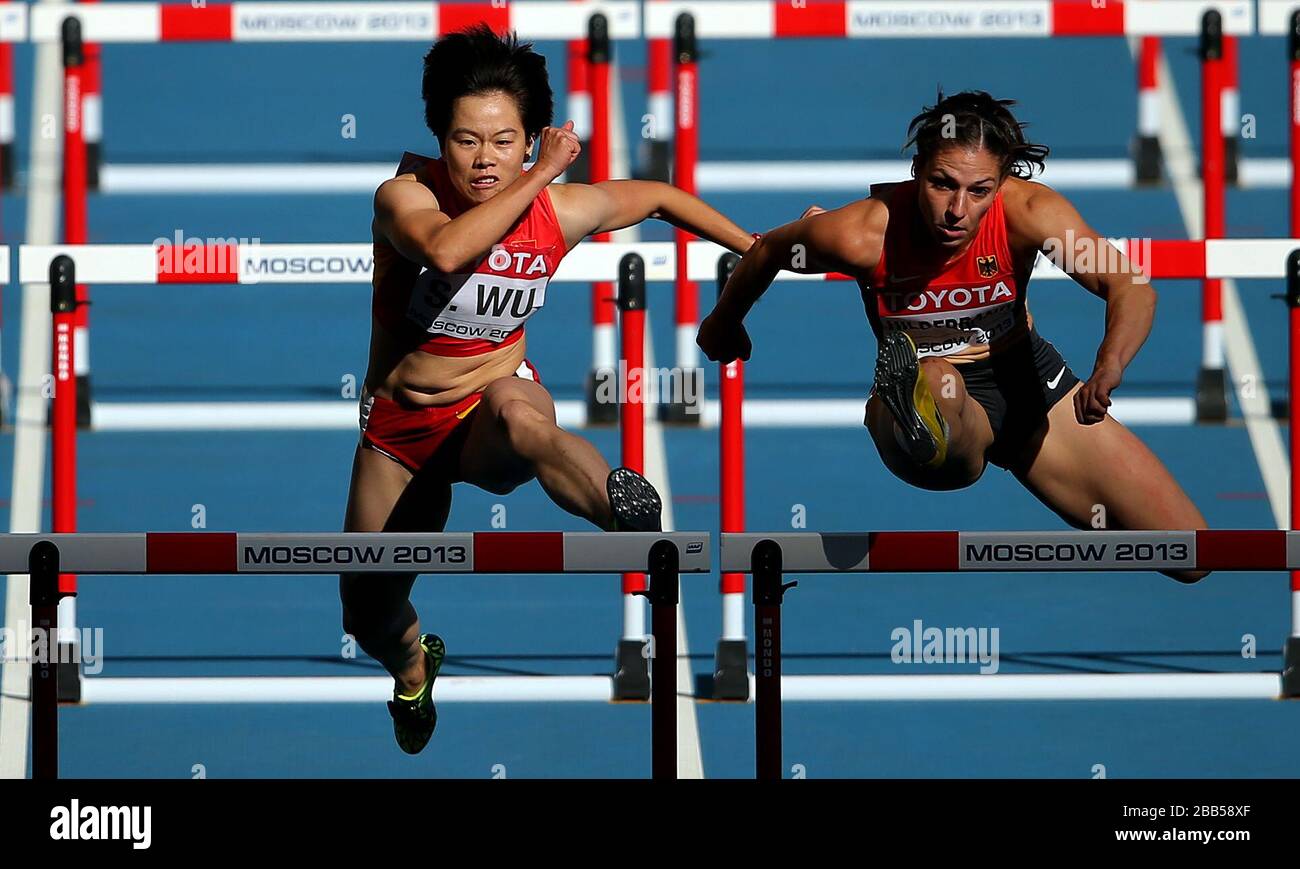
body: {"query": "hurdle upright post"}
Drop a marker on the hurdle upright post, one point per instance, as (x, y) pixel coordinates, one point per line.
(1291, 651)
(1293, 58)
(63, 459)
(1148, 161)
(603, 353)
(1212, 383)
(578, 107)
(43, 570)
(92, 111)
(655, 158)
(683, 405)
(1230, 112)
(663, 595)
(632, 670)
(6, 116)
(731, 662)
(768, 595)
(74, 197)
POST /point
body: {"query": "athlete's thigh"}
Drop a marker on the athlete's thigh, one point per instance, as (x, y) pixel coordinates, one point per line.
(377, 484)
(1101, 475)
(488, 457)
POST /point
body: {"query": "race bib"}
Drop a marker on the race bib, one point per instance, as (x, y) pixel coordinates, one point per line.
(947, 320)
(506, 288)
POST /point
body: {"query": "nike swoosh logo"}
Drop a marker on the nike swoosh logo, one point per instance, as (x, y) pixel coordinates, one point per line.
(1051, 384)
(894, 279)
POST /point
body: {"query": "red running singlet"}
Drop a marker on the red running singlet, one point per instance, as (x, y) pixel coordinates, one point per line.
(478, 311)
(964, 310)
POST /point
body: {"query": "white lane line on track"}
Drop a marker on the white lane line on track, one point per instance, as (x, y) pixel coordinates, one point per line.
(690, 760)
(599, 689)
(1243, 362)
(342, 689)
(33, 366)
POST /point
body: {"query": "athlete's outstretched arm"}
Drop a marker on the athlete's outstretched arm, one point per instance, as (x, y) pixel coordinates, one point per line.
(407, 213)
(1055, 227)
(825, 241)
(587, 209)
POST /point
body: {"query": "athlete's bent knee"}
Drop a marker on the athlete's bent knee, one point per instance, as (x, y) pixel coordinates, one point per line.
(524, 425)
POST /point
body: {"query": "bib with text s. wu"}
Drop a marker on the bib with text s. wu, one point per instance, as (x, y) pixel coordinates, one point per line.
(489, 303)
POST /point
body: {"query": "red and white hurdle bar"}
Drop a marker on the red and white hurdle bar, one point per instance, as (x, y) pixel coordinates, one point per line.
(313, 22)
(44, 556)
(59, 265)
(310, 263)
(770, 557)
(589, 262)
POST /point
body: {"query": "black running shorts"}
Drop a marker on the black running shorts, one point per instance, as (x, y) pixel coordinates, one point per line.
(1016, 389)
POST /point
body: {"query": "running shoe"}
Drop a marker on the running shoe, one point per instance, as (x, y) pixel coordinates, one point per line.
(414, 716)
(633, 501)
(905, 392)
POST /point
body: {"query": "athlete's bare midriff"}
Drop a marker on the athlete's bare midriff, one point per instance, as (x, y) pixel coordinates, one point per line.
(426, 379)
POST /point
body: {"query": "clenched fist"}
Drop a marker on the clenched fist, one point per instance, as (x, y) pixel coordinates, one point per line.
(557, 149)
(723, 338)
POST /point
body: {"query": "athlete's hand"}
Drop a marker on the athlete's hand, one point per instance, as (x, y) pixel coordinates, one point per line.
(558, 148)
(723, 338)
(1093, 398)
(811, 210)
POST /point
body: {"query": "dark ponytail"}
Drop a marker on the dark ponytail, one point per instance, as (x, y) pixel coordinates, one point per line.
(974, 119)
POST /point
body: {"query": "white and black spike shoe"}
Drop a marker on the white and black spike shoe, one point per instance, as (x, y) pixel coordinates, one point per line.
(634, 503)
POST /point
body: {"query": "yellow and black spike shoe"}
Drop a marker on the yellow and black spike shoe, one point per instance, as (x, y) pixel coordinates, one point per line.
(414, 715)
(921, 429)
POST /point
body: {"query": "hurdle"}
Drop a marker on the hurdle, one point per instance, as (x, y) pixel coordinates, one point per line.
(68, 267)
(771, 557)
(1173, 259)
(350, 263)
(663, 556)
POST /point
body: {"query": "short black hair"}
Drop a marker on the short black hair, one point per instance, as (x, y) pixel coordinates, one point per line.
(477, 60)
(975, 119)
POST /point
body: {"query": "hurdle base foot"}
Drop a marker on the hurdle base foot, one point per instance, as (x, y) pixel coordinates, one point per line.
(1148, 161)
(7, 166)
(602, 397)
(1231, 174)
(83, 401)
(94, 159)
(1212, 395)
(69, 673)
(655, 162)
(731, 671)
(684, 402)
(1291, 668)
(632, 670)
(6, 396)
